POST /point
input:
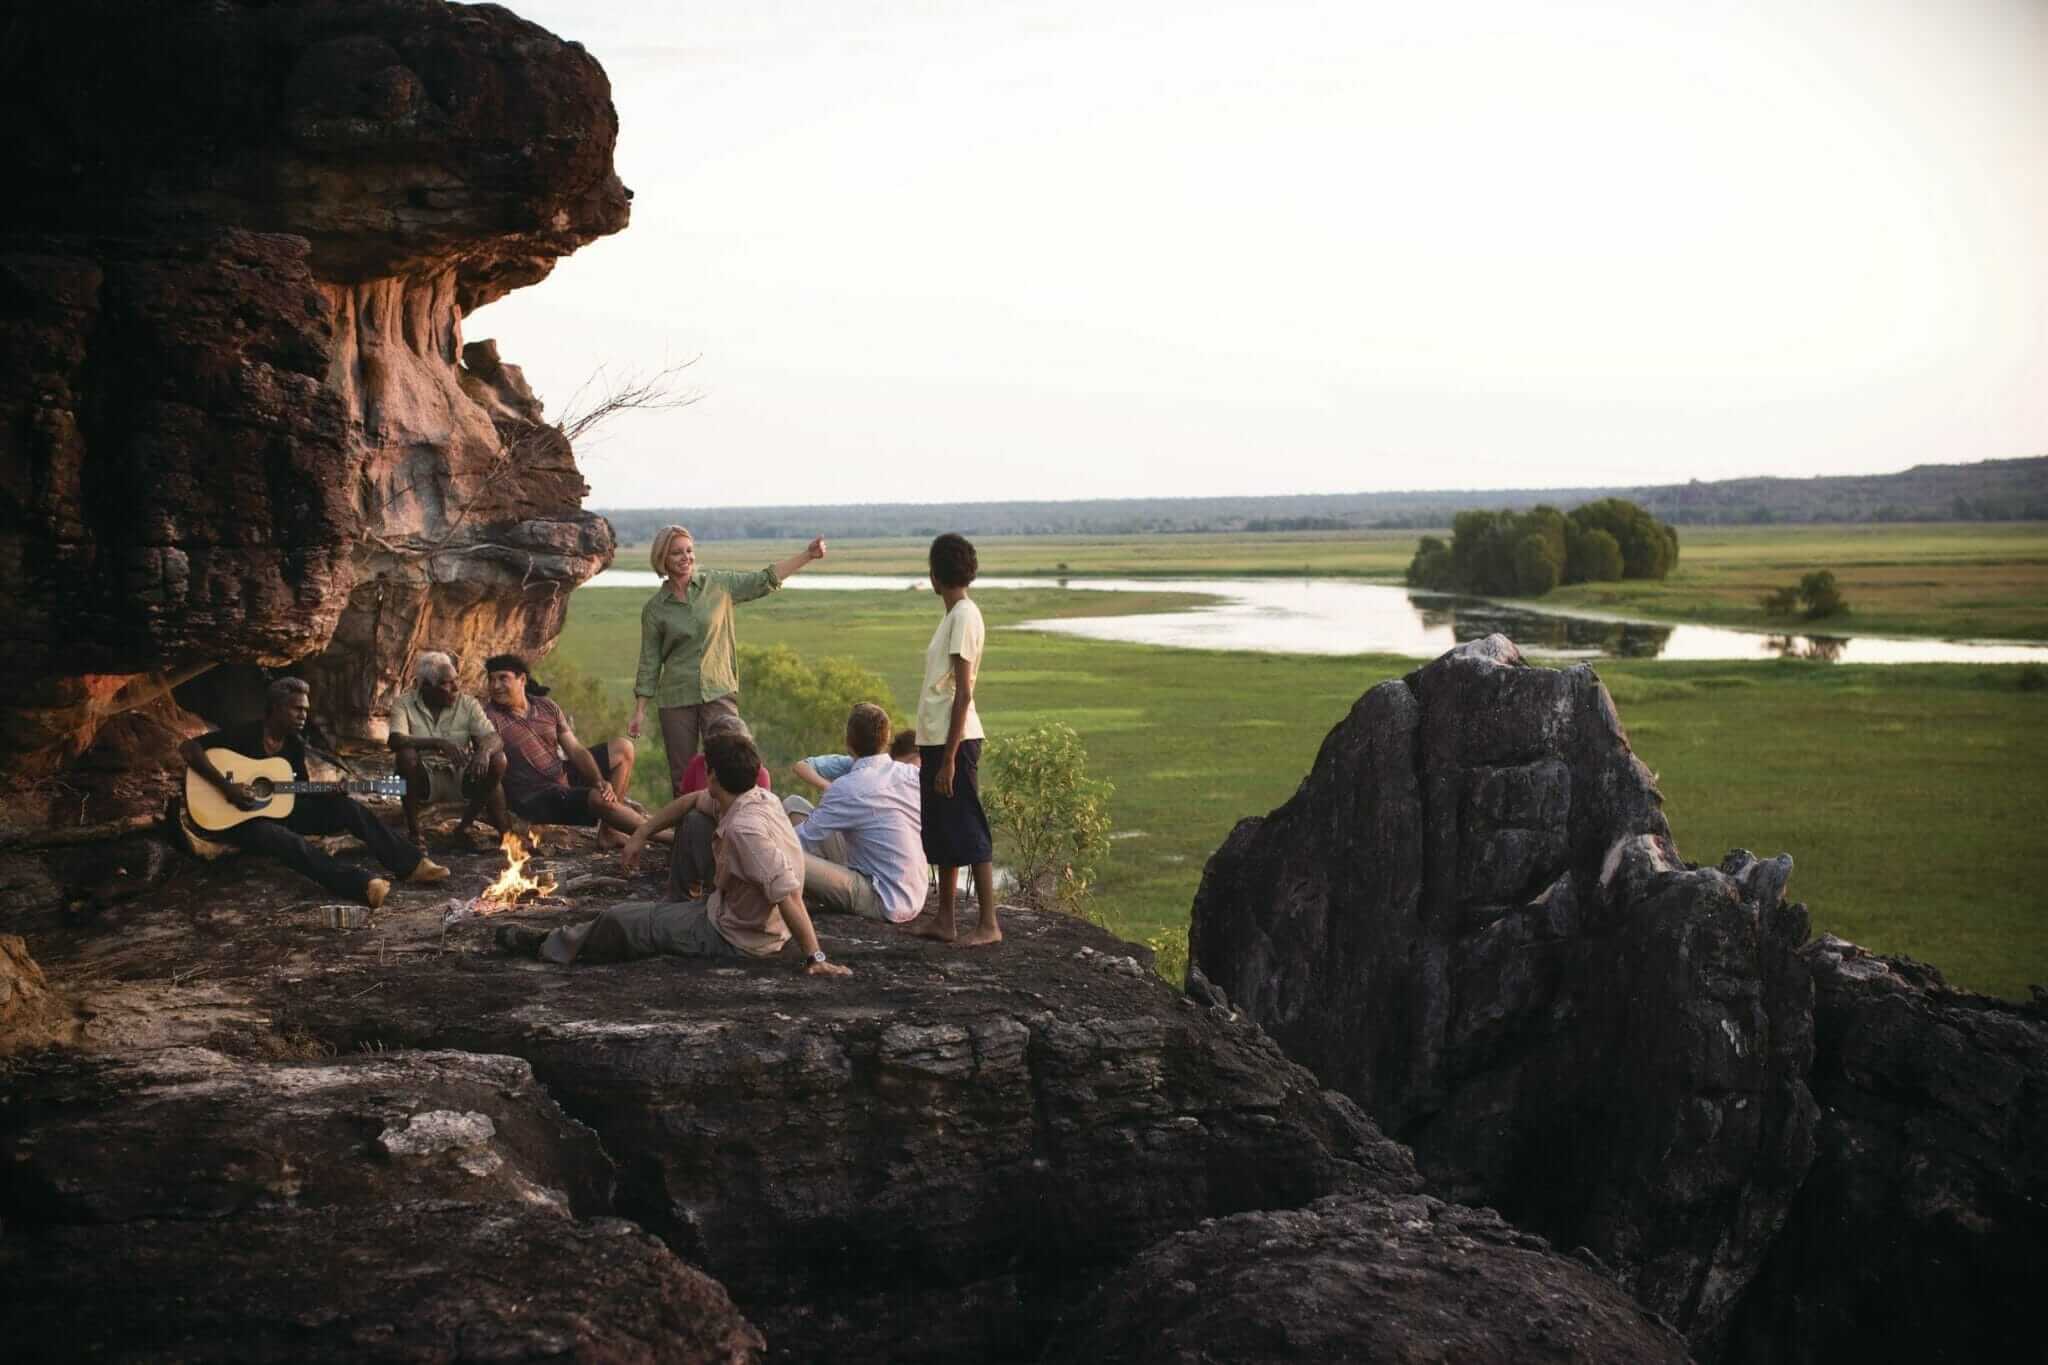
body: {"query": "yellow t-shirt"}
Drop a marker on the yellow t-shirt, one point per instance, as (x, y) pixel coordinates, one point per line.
(961, 632)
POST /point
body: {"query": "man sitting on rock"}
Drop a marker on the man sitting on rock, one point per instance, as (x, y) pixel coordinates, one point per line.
(756, 901)
(281, 731)
(862, 850)
(542, 753)
(446, 749)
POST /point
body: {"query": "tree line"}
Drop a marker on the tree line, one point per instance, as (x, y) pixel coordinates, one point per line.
(2014, 490)
(1526, 554)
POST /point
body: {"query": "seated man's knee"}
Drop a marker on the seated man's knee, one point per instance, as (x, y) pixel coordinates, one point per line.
(498, 765)
(408, 763)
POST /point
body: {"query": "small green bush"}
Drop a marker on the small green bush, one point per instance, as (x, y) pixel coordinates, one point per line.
(1821, 595)
(1170, 956)
(797, 708)
(1050, 819)
(1780, 601)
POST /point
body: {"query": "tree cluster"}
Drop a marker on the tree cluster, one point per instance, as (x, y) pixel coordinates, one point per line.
(1526, 554)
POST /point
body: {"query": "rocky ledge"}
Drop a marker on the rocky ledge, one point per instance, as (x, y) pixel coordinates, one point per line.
(1472, 919)
(939, 1158)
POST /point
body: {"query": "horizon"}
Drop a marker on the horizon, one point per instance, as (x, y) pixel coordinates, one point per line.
(1452, 493)
(1260, 251)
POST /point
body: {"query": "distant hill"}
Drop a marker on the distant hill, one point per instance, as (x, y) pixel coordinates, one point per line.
(1992, 490)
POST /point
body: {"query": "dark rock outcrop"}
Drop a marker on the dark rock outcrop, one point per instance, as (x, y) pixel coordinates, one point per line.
(238, 421)
(393, 1207)
(1471, 918)
(1363, 1280)
(924, 1162)
(1922, 1231)
(937, 1159)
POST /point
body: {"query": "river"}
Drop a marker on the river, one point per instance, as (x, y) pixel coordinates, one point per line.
(1339, 616)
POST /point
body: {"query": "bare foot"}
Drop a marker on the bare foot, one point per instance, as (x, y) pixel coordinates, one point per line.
(985, 932)
(927, 926)
(609, 838)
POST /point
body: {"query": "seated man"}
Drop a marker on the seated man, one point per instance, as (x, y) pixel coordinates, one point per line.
(756, 900)
(542, 754)
(689, 867)
(822, 770)
(281, 731)
(447, 750)
(862, 849)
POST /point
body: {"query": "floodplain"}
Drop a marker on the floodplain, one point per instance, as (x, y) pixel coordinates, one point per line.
(1911, 797)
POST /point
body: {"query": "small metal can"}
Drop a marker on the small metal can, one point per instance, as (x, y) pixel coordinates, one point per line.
(347, 916)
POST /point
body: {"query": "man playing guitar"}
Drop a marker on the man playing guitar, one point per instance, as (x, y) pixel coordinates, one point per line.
(281, 732)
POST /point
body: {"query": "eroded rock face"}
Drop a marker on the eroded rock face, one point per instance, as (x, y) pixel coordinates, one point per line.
(389, 1207)
(1922, 1231)
(1471, 918)
(1366, 1280)
(238, 420)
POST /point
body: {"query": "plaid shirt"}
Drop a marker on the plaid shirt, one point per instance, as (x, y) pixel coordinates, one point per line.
(533, 745)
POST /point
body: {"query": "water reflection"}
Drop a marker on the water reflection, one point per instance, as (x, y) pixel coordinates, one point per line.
(1475, 618)
(1335, 616)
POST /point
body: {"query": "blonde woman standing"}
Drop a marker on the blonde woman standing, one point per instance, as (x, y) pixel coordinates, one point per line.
(689, 654)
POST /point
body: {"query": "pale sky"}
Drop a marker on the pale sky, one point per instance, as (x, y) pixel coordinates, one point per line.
(955, 252)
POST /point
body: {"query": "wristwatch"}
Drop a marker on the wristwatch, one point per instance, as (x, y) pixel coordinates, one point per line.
(816, 959)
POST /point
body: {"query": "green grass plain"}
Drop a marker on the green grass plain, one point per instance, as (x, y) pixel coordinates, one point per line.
(1964, 580)
(1911, 798)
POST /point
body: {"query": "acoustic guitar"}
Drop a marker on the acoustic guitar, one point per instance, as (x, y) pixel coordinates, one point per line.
(271, 781)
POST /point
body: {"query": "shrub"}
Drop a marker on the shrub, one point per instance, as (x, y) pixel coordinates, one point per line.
(598, 712)
(1822, 598)
(1170, 956)
(796, 708)
(1780, 602)
(1052, 821)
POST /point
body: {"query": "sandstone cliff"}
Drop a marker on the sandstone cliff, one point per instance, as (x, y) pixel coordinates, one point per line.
(239, 424)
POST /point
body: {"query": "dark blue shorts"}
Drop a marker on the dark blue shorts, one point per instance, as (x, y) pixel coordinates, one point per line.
(562, 805)
(955, 827)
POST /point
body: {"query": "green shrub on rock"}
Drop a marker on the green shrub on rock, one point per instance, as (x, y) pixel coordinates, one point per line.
(1051, 820)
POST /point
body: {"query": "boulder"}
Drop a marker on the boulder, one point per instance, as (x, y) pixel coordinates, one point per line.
(31, 1014)
(380, 1207)
(1922, 1231)
(1405, 1280)
(241, 423)
(1471, 918)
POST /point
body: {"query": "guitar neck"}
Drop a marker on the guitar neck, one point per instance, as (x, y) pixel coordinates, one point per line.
(327, 788)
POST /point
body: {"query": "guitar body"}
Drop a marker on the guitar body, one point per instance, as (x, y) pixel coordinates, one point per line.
(271, 781)
(213, 812)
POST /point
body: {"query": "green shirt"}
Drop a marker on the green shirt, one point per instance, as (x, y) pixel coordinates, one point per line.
(688, 651)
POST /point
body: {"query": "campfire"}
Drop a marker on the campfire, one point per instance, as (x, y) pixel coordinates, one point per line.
(513, 885)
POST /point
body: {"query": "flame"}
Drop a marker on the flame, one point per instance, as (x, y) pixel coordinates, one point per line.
(513, 882)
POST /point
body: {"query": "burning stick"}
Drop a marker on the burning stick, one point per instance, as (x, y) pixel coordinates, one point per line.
(512, 884)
